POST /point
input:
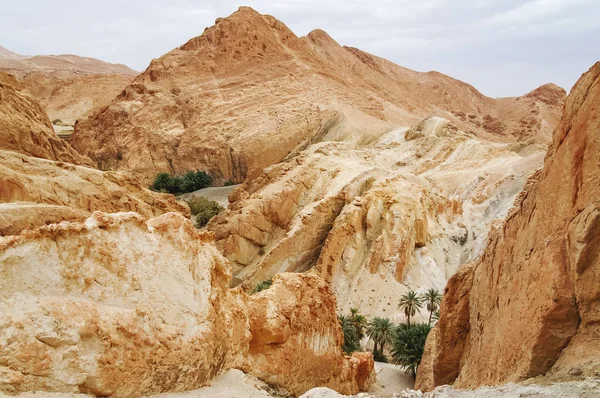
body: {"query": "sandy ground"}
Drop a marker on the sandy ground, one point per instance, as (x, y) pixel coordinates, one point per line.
(218, 194)
(390, 379)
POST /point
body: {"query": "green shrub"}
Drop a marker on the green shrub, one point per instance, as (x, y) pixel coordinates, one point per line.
(189, 182)
(351, 342)
(409, 344)
(379, 356)
(264, 285)
(229, 183)
(203, 209)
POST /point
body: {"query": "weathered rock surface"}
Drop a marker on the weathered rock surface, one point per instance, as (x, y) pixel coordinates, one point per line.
(48, 178)
(290, 348)
(25, 128)
(120, 306)
(248, 92)
(374, 221)
(531, 305)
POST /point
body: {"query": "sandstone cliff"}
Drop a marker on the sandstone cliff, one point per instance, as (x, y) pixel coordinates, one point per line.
(530, 306)
(121, 306)
(404, 212)
(248, 92)
(44, 180)
(25, 128)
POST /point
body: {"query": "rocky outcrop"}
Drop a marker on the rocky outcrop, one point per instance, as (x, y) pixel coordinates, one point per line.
(43, 180)
(29, 181)
(296, 339)
(530, 306)
(25, 128)
(121, 306)
(374, 221)
(248, 92)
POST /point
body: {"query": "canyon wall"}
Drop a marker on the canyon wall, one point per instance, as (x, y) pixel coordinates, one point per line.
(123, 306)
(531, 305)
(377, 220)
(44, 180)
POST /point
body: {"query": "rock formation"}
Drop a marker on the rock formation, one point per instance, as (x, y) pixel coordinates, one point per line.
(67, 87)
(120, 306)
(248, 92)
(403, 212)
(290, 348)
(531, 305)
(25, 128)
(61, 66)
(44, 180)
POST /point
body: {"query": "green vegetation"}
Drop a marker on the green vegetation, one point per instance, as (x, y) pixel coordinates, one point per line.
(409, 344)
(359, 321)
(379, 356)
(229, 183)
(410, 302)
(406, 340)
(264, 285)
(203, 209)
(176, 185)
(351, 342)
(381, 331)
(432, 299)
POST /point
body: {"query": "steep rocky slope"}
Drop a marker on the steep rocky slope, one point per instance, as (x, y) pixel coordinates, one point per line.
(404, 212)
(531, 305)
(67, 87)
(121, 306)
(248, 92)
(43, 179)
(67, 100)
(25, 128)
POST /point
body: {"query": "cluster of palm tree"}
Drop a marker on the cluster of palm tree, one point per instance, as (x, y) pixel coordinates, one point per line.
(411, 302)
(406, 340)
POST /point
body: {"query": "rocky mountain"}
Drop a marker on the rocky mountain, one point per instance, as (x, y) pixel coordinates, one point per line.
(6, 54)
(60, 66)
(248, 92)
(68, 87)
(43, 179)
(530, 305)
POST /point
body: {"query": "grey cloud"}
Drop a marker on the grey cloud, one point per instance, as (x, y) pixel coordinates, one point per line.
(502, 47)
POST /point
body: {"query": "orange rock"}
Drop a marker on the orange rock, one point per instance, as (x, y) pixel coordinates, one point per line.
(531, 304)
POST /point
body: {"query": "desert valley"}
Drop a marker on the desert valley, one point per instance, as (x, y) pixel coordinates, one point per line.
(258, 214)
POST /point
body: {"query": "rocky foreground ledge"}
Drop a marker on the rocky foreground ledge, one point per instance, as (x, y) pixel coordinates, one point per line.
(124, 306)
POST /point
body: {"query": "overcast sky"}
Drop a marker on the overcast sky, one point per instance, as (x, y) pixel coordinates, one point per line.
(502, 47)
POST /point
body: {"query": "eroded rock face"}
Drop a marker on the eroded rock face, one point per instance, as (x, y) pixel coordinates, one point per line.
(25, 128)
(404, 212)
(532, 302)
(248, 92)
(43, 180)
(121, 306)
(116, 306)
(296, 338)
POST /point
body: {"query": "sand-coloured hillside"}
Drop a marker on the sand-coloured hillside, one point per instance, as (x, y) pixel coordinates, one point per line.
(374, 221)
(248, 92)
(531, 305)
(44, 180)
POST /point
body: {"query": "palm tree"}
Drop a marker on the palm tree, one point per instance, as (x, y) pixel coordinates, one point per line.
(350, 337)
(410, 302)
(359, 321)
(432, 299)
(409, 344)
(381, 331)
